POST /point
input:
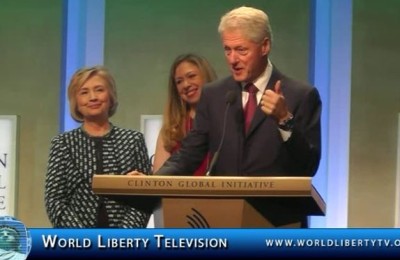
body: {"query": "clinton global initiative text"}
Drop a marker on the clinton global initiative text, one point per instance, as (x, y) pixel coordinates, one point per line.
(202, 184)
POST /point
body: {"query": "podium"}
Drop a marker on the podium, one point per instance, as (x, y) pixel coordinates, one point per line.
(216, 202)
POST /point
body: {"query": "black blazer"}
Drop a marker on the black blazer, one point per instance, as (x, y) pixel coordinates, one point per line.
(260, 152)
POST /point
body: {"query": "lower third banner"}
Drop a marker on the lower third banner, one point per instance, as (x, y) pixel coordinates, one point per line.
(131, 243)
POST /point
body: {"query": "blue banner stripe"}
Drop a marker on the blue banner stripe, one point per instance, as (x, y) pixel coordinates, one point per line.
(128, 243)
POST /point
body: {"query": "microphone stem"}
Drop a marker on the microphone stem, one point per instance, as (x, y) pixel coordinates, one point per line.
(216, 154)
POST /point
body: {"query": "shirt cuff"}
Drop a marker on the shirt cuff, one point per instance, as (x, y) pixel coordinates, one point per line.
(285, 134)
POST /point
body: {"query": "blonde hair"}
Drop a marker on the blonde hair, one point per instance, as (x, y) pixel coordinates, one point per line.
(253, 22)
(77, 81)
(176, 109)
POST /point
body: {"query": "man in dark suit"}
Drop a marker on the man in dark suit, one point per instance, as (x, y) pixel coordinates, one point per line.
(282, 137)
(284, 134)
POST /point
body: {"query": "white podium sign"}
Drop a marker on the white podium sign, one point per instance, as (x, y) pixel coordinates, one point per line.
(8, 164)
(150, 126)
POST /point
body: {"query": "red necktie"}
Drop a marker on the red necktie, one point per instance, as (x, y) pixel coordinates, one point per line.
(251, 105)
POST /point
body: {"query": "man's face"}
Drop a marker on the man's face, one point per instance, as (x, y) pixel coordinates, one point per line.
(246, 59)
(9, 239)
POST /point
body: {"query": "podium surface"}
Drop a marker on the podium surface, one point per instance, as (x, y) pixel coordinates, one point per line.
(250, 201)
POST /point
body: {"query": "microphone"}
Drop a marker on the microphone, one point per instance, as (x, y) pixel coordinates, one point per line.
(230, 99)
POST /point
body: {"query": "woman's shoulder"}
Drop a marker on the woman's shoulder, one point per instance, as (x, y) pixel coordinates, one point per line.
(66, 135)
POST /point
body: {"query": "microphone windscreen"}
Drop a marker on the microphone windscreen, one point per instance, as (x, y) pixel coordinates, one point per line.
(230, 97)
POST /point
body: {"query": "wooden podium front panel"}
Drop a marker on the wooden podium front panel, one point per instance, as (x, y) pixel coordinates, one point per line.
(208, 213)
(240, 201)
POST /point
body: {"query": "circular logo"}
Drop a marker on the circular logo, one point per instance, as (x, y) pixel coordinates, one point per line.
(15, 239)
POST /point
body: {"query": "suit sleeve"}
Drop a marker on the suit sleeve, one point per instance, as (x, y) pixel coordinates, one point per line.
(57, 195)
(194, 146)
(304, 145)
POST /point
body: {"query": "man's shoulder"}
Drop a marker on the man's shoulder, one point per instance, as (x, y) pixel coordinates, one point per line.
(221, 82)
(296, 86)
(291, 83)
(221, 85)
(294, 89)
(296, 83)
